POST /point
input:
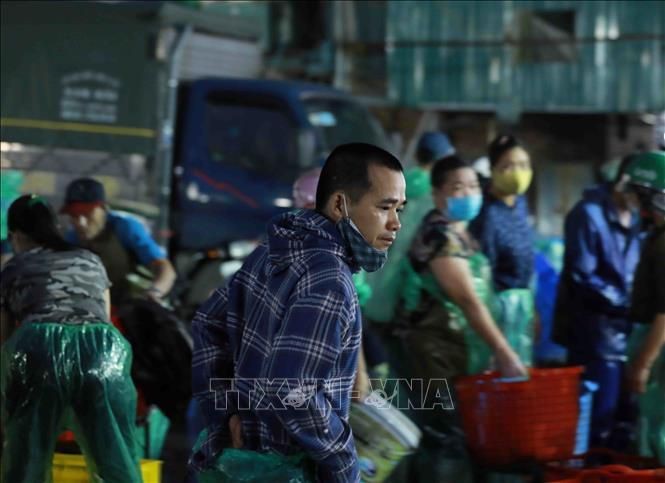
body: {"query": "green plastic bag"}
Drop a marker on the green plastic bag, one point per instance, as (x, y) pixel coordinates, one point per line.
(418, 183)
(651, 423)
(515, 319)
(151, 436)
(363, 289)
(386, 283)
(478, 352)
(246, 466)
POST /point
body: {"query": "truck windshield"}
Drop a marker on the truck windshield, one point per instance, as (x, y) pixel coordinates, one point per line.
(340, 121)
(255, 137)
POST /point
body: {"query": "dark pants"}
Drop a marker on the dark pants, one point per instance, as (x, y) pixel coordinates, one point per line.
(613, 413)
(599, 342)
(425, 355)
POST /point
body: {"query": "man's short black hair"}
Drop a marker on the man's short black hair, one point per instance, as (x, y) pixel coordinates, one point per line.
(347, 169)
(444, 166)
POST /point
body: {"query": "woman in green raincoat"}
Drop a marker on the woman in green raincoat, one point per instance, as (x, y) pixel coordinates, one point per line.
(448, 329)
(62, 360)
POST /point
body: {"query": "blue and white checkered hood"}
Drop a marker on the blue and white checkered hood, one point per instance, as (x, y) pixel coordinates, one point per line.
(292, 235)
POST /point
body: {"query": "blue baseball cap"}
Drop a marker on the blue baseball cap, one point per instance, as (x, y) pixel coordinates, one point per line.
(433, 145)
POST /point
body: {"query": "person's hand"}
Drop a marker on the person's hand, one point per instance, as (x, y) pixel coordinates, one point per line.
(361, 386)
(638, 376)
(509, 364)
(154, 294)
(235, 428)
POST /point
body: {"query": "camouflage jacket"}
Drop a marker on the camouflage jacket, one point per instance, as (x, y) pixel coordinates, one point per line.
(42, 285)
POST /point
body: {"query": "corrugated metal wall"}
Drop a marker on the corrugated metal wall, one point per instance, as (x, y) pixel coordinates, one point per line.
(206, 55)
(466, 54)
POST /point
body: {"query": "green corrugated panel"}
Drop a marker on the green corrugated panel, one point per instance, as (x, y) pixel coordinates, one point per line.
(77, 75)
(370, 20)
(429, 62)
(454, 53)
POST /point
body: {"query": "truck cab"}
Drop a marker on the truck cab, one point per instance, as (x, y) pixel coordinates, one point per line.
(241, 144)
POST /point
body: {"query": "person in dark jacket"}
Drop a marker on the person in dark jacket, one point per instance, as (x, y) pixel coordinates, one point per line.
(602, 248)
(502, 226)
(646, 372)
(289, 320)
(506, 238)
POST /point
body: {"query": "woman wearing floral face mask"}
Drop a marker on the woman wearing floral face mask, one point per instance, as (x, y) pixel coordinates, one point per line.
(506, 239)
(447, 327)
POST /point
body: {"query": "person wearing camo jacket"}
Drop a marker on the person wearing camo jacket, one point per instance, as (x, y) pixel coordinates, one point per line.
(63, 363)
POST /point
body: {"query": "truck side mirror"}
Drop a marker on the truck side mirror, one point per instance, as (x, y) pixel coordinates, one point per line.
(306, 148)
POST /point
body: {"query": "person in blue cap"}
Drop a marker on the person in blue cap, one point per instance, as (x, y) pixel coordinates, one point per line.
(120, 240)
(432, 146)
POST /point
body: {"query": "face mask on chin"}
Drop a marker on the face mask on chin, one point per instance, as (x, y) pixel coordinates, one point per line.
(366, 256)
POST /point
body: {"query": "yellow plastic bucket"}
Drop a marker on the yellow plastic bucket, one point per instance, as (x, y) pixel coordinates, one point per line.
(71, 468)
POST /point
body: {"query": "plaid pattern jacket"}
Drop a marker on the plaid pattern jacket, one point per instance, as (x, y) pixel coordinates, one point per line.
(278, 345)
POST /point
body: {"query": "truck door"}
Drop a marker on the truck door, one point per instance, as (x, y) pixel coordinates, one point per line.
(240, 156)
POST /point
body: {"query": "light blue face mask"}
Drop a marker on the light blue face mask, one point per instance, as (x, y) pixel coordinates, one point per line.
(463, 209)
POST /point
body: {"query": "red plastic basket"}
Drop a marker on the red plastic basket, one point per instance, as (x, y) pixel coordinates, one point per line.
(615, 468)
(615, 474)
(512, 422)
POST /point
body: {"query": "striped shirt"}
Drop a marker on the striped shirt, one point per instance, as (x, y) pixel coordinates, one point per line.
(278, 346)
